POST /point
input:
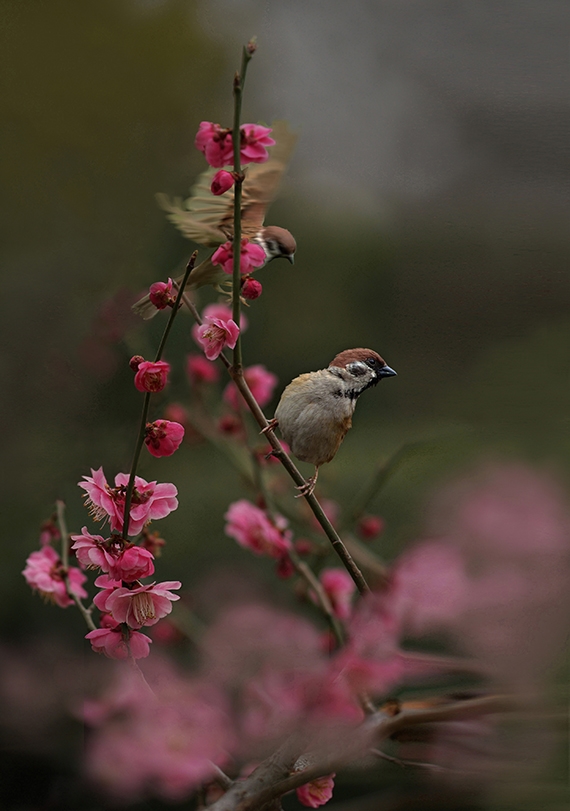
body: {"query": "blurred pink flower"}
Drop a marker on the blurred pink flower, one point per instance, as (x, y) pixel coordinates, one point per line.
(163, 437)
(252, 256)
(119, 642)
(44, 573)
(261, 382)
(254, 140)
(49, 532)
(214, 334)
(160, 294)
(150, 500)
(144, 605)
(163, 743)
(201, 370)
(221, 182)
(370, 526)
(339, 588)
(317, 792)
(216, 144)
(152, 376)
(252, 529)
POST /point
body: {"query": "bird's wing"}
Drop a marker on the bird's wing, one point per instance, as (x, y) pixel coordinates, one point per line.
(208, 219)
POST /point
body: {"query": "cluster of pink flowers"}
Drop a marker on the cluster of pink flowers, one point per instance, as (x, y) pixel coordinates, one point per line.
(252, 528)
(252, 256)
(217, 146)
(150, 500)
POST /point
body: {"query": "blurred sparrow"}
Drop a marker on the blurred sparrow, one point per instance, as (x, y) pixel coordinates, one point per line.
(316, 408)
(208, 219)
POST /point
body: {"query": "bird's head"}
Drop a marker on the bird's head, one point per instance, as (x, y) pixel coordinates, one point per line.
(278, 242)
(364, 365)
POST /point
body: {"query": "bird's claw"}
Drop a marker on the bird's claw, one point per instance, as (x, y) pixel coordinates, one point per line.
(270, 426)
(308, 488)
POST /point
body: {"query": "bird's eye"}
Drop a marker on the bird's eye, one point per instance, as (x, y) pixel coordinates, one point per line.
(371, 361)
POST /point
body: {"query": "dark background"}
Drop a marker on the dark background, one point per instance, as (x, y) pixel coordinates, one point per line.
(426, 194)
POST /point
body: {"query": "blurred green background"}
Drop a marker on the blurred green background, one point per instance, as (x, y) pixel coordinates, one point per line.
(425, 195)
(427, 228)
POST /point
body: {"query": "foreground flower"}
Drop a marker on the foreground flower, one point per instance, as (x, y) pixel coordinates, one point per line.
(152, 376)
(150, 500)
(214, 334)
(251, 289)
(160, 293)
(45, 573)
(215, 143)
(252, 529)
(163, 437)
(117, 641)
(144, 605)
(122, 564)
(221, 182)
(261, 382)
(254, 142)
(252, 256)
(317, 792)
(339, 588)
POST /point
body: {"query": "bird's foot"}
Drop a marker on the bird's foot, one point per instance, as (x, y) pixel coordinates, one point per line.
(271, 425)
(308, 488)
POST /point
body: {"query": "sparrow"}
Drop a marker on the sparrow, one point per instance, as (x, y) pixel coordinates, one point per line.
(315, 410)
(209, 220)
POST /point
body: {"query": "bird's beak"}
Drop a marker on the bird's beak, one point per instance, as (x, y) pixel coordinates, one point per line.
(386, 371)
(290, 258)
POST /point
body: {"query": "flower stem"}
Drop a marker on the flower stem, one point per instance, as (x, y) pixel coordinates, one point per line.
(146, 401)
(239, 81)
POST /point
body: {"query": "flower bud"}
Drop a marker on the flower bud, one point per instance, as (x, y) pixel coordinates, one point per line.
(160, 294)
(251, 288)
(135, 362)
(370, 526)
(221, 182)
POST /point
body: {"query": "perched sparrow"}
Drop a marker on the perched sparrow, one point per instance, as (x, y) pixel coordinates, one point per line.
(316, 408)
(209, 220)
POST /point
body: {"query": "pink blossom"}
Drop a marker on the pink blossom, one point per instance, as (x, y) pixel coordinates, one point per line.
(163, 437)
(49, 532)
(261, 382)
(119, 642)
(252, 256)
(252, 529)
(370, 526)
(92, 551)
(221, 182)
(254, 140)
(144, 605)
(219, 310)
(214, 334)
(317, 792)
(152, 375)
(132, 564)
(150, 500)
(160, 294)
(44, 572)
(201, 370)
(164, 742)
(251, 289)
(339, 588)
(216, 144)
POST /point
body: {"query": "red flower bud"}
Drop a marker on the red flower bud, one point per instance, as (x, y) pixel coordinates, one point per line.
(135, 362)
(370, 526)
(251, 288)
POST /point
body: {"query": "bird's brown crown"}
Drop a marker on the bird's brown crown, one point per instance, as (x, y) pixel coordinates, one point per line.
(282, 237)
(350, 355)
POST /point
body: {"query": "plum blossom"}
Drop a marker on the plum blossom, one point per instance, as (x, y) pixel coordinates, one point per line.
(251, 289)
(370, 526)
(219, 310)
(254, 140)
(339, 588)
(165, 743)
(200, 370)
(216, 143)
(152, 376)
(317, 792)
(163, 437)
(117, 641)
(45, 573)
(150, 500)
(253, 530)
(136, 607)
(160, 294)
(252, 256)
(261, 382)
(214, 334)
(123, 562)
(221, 182)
